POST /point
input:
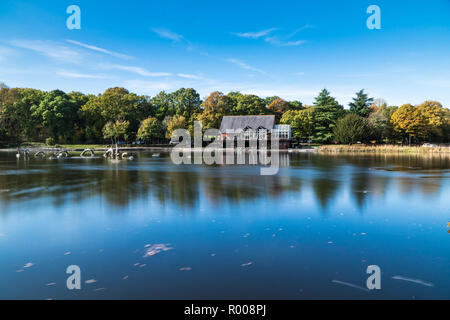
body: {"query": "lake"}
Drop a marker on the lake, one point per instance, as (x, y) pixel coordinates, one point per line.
(148, 229)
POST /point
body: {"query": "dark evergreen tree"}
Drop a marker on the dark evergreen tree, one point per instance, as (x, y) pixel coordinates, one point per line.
(326, 112)
(361, 104)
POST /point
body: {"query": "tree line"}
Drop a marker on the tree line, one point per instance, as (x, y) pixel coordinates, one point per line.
(30, 115)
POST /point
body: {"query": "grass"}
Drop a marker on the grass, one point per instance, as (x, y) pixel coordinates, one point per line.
(386, 149)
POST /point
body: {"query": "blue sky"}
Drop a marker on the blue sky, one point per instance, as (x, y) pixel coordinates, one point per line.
(288, 48)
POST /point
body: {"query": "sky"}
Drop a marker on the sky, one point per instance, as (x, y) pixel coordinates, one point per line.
(291, 49)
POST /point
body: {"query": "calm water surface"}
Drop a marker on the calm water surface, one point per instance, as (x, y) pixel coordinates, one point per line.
(225, 232)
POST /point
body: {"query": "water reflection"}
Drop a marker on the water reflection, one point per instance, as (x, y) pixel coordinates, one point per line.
(148, 229)
(365, 176)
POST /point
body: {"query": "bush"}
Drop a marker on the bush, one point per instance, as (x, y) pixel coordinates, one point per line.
(351, 129)
(50, 141)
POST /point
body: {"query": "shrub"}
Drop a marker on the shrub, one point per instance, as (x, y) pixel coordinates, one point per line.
(50, 141)
(351, 129)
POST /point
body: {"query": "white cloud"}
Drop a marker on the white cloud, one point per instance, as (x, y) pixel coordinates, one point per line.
(98, 49)
(255, 35)
(358, 75)
(188, 76)
(275, 41)
(50, 49)
(167, 34)
(76, 75)
(245, 66)
(138, 70)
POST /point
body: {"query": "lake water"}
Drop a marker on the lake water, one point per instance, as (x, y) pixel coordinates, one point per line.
(148, 229)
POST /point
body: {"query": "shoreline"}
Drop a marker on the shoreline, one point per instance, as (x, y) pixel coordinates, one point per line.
(383, 149)
(324, 149)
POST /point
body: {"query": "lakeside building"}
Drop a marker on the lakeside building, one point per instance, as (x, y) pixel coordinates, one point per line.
(254, 127)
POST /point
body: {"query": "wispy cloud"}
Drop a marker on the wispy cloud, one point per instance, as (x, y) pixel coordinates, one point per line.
(255, 35)
(188, 76)
(50, 49)
(245, 66)
(167, 34)
(98, 49)
(277, 42)
(138, 70)
(76, 75)
(280, 41)
(358, 75)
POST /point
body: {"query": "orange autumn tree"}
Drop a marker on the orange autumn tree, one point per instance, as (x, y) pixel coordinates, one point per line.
(278, 107)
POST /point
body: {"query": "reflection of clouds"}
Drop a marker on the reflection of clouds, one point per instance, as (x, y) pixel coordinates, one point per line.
(75, 180)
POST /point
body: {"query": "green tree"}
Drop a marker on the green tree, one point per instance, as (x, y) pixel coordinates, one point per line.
(115, 130)
(326, 112)
(185, 102)
(247, 104)
(351, 129)
(114, 103)
(150, 129)
(296, 105)
(16, 107)
(380, 121)
(361, 104)
(301, 121)
(57, 113)
(215, 106)
(174, 123)
(162, 105)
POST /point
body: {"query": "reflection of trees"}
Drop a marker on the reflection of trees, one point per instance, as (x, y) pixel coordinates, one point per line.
(360, 186)
(244, 187)
(374, 172)
(65, 181)
(325, 188)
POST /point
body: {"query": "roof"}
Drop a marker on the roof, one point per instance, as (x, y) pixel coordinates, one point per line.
(247, 122)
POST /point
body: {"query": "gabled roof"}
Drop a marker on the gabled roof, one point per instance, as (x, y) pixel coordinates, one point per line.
(242, 122)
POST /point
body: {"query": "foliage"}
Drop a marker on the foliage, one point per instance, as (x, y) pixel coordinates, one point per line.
(326, 112)
(379, 120)
(114, 104)
(17, 119)
(29, 115)
(278, 107)
(50, 141)
(247, 104)
(151, 128)
(425, 122)
(301, 122)
(351, 129)
(361, 104)
(57, 112)
(215, 106)
(115, 130)
(174, 123)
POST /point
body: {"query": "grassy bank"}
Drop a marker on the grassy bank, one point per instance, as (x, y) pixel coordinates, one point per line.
(386, 149)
